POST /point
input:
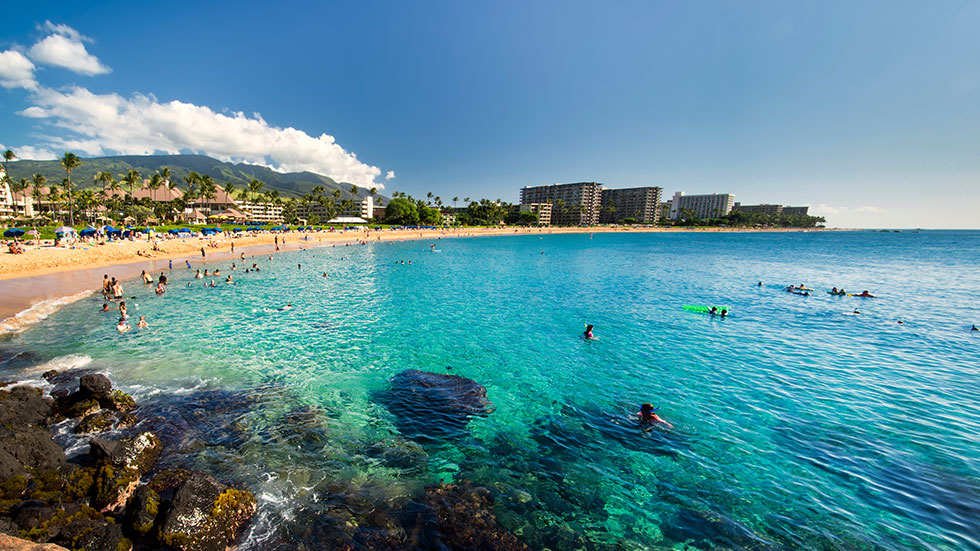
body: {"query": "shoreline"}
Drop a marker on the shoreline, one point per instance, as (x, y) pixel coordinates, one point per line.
(30, 282)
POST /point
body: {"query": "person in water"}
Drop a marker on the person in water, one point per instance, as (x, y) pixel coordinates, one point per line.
(588, 333)
(142, 323)
(713, 311)
(724, 312)
(974, 328)
(865, 294)
(105, 308)
(122, 326)
(648, 416)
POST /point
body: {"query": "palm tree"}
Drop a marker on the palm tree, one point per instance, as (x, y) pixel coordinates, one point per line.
(39, 180)
(8, 156)
(70, 162)
(191, 179)
(229, 190)
(208, 190)
(19, 187)
(254, 187)
(354, 190)
(156, 182)
(454, 201)
(132, 177)
(336, 194)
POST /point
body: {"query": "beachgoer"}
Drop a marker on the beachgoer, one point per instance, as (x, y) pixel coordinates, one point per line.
(288, 306)
(188, 264)
(974, 328)
(724, 312)
(198, 275)
(206, 272)
(713, 311)
(106, 286)
(105, 306)
(228, 279)
(202, 252)
(588, 332)
(163, 279)
(648, 416)
(216, 272)
(233, 267)
(834, 291)
(171, 264)
(117, 291)
(146, 279)
(324, 274)
(122, 326)
(865, 294)
(856, 312)
(161, 288)
(142, 323)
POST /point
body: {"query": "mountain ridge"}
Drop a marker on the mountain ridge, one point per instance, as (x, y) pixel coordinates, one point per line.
(289, 184)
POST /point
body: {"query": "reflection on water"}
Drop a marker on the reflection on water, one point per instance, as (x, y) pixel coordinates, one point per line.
(796, 426)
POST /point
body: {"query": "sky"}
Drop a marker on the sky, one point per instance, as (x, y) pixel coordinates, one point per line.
(868, 112)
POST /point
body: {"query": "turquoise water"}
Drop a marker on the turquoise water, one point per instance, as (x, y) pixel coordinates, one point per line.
(796, 426)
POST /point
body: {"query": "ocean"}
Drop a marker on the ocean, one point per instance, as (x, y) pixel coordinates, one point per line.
(798, 424)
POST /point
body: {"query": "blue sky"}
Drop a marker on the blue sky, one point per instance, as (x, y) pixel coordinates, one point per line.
(869, 112)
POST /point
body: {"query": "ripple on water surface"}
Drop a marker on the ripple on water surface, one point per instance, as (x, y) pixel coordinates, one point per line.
(798, 425)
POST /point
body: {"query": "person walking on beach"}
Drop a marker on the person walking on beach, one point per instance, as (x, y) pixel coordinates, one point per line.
(117, 291)
(106, 286)
(202, 253)
(171, 264)
(232, 247)
(188, 264)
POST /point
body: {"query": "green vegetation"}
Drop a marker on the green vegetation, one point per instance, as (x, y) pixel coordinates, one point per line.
(741, 219)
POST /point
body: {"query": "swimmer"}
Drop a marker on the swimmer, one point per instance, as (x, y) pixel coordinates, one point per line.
(161, 289)
(974, 328)
(142, 323)
(856, 312)
(198, 275)
(299, 266)
(122, 326)
(760, 284)
(171, 264)
(324, 274)
(188, 264)
(724, 312)
(713, 311)
(588, 333)
(228, 280)
(146, 279)
(233, 267)
(865, 294)
(105, 308)
(648, 416)
(288, 306)
(216, 272)
(206, 272)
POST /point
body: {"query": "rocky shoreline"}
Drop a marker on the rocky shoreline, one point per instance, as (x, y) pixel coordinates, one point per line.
(124, 494)
(102, 500)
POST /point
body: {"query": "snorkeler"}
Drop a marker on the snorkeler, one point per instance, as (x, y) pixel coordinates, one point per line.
(974, 328)
(648, 416)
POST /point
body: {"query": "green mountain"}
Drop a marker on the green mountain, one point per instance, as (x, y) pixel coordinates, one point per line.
(292, 184)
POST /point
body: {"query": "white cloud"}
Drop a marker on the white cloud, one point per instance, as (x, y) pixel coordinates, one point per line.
(100, 124)
(390, 175)
(827, 210)
(29, 152)
(64, 48)
(64, 30)
(16, 71)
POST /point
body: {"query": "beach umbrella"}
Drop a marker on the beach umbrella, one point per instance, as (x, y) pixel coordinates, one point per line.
(32, 232)
(64, 229)
(109, 229)
(86, 232)
(13, 232)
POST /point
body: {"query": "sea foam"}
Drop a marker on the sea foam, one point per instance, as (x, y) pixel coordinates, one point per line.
(37, 312)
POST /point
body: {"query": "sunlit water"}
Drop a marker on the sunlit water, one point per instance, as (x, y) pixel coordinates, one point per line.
(796, 426)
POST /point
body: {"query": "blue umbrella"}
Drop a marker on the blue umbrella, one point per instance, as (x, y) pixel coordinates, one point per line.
(184, 230)
(13, 232)
(87, 232)
(173, 232)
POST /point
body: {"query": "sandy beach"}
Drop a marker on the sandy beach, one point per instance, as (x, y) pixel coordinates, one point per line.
(44, 278)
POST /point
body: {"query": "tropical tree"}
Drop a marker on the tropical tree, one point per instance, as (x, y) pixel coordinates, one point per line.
(254, 187)
(156, 182)
(336, 194)
(373, 191)
(354, 191)
(454, 201)
(8, 156)
(208, 190)
(132, 178)
(39, 180)
(191, 180)
(19, 187)
(401, 211)
(229, 190)
(70, 162)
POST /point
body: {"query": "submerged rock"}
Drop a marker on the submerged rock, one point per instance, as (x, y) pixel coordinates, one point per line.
(459, 517)
(433, 406)
(205, 515)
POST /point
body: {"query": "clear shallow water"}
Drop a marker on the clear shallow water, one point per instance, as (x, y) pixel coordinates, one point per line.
(796, 426)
